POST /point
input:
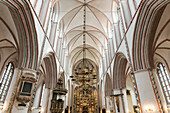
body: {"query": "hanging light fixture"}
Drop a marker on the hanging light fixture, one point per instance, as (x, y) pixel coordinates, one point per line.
(84, 70)
(84, 75)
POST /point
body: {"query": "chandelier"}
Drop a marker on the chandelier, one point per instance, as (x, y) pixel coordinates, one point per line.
(85, 95)
(82, 72)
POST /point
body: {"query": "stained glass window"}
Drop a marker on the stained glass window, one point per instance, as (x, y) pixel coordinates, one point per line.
(165, 81)
(5, 80)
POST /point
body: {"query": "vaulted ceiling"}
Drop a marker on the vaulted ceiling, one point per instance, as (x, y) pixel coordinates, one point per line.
(99, 19)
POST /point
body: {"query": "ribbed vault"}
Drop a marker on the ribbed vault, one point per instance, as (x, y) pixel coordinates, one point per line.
(99, 19)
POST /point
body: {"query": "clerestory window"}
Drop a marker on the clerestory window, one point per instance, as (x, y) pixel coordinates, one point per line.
(5, 80)
(164, 79)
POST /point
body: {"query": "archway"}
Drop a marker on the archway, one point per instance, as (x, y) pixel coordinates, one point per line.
(151, 46)
(130, 92)
(46, 82)
(108, 93)
(18, 43)
(149, 37)
(121, 84)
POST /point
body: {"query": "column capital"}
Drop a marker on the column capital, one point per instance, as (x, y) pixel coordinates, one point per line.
(27, 70)
(140, 71)
(54, 22)
(59, 37)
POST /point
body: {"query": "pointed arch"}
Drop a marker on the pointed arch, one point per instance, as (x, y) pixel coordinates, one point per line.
(119, 71)
(27, 36)
(144, 34)
(108, 85)
(50, 70)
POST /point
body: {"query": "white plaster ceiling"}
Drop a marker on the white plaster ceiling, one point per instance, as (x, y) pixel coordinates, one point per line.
(99, 19)
(162, 37)
(8, 32)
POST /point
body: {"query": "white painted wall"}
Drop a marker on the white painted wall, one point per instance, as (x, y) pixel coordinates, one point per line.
(146, 93)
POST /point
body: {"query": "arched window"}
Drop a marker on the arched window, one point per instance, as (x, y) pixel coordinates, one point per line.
(5, 80)
(164, 79)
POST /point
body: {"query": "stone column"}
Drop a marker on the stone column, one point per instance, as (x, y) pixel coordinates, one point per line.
(44, 11)
(53, 31)
(111, 47)
(125, 100)
(119, 101)
(58, 46)
(122, 98)
(108, 103)
(20, 91)
(146, 91)
(45, 99)
(49, 101)
(37, 96)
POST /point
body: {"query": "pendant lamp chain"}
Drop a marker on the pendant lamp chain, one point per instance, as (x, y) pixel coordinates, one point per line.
(84, 33)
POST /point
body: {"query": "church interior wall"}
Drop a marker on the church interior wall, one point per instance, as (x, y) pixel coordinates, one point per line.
(50, 50)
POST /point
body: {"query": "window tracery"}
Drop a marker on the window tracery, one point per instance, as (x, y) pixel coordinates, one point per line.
(5, 80)
(164, 80)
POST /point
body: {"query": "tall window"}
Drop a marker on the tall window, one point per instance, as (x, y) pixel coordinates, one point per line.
(5, 80)
(165, 81)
